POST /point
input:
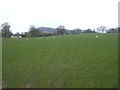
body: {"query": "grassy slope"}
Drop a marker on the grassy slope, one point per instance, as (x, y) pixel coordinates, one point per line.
(70, 61)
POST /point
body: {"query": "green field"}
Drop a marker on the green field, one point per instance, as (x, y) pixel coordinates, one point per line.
(70, 61)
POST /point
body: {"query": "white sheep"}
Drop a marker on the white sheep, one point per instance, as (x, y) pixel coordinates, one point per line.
(96, 36)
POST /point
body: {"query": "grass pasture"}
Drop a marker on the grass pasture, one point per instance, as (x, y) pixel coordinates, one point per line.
(70, 61)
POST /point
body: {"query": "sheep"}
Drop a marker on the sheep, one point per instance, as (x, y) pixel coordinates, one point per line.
(96, 36)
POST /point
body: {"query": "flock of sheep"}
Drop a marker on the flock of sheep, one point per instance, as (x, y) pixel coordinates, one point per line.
(52, 37)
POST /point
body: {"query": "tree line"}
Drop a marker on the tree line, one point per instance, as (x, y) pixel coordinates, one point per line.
(60, 30)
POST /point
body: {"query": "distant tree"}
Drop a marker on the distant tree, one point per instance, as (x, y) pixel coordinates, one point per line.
(94, 31)
(26, 34)
(22, 34)
(33, 31)
(6, 32)
(67, 31)
(88, 31)
(112, 30)
(118, 29)
(61, 30)
(77, 31)
(17, 34)
(101, 28)
(72, 32)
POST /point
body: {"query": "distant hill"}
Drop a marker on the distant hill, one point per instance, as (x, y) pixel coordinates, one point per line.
(47, 29)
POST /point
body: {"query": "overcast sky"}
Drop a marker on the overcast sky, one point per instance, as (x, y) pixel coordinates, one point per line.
(51, 13)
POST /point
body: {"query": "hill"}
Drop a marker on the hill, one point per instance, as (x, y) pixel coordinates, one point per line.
(47, 29)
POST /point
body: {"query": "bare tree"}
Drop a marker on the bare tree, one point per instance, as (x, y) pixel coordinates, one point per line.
(101, 28)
